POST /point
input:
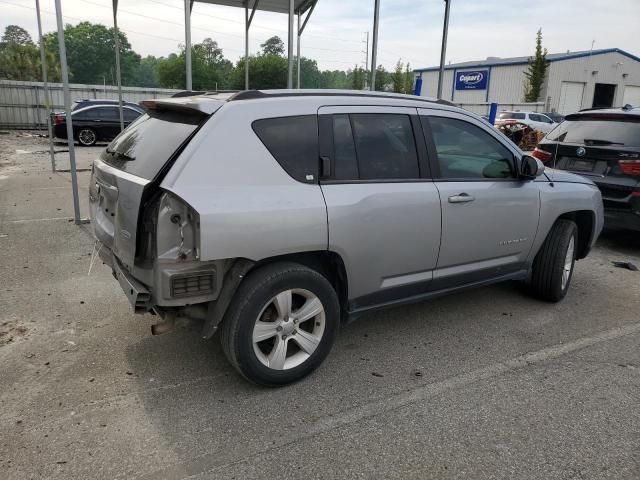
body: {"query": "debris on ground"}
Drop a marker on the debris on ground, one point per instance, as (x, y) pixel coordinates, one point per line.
(627, 265)
(523, 135)
(376, 374)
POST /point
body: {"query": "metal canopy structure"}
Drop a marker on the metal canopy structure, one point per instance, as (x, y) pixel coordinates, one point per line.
(290, 7)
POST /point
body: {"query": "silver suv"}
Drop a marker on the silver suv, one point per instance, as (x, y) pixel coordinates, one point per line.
(277, 216)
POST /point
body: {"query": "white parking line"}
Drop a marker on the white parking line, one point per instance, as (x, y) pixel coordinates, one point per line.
(215, 460)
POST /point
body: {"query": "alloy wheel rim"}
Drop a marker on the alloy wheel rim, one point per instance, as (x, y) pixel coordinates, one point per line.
(87, 137)
(568, 263)
(288, 329)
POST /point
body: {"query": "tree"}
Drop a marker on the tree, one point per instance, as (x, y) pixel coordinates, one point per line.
(273, 46)
(90, 53)
(381, 78)
(408, 79)
(397, 78)
(357, 78)
(536, 71)
(265, 71)
(16, 35)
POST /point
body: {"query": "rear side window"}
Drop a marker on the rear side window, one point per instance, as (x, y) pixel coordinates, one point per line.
(383, 144)
(108, 113)
(149, 142)
(293, 142)
(598, 132)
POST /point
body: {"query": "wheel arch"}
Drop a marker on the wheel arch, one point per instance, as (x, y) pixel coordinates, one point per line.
(585, 221)
(327, 263)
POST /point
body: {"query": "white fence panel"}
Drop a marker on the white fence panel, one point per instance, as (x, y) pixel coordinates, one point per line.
(22, 104)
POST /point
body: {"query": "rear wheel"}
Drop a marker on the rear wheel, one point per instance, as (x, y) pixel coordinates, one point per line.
(553, 266)
(281, 324)
(87, 137)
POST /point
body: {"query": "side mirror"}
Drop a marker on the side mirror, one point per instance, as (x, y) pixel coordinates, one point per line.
(530, 167)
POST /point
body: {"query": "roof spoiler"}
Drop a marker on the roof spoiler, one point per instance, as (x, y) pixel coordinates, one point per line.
(189, 105)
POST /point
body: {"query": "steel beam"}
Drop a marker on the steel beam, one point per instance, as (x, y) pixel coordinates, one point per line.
(374, 44)
(116, 34)
(47, 97)
(67, 107)
(290, 46)
(443, 51)
(187, 42)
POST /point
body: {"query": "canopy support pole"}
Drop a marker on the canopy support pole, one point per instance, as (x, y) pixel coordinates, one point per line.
(374, 44)
(290, 46)
(298, 55)
(300, 30)
(187, 41)
(47, 98)
(67, 108)
(116, 35)
(443, 51)
(247, 23)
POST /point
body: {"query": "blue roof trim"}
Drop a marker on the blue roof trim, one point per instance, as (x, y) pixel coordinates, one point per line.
(506, 62)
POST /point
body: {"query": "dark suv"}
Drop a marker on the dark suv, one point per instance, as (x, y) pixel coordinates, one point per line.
(604, 146)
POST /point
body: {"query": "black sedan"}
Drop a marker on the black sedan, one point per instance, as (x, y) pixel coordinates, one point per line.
(94, 123)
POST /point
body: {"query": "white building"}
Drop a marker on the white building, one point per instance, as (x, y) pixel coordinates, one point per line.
(574, 80)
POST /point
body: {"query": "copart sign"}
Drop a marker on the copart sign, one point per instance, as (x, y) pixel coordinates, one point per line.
(472, 80)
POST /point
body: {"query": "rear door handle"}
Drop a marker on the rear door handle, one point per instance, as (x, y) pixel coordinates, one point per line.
(461, 198)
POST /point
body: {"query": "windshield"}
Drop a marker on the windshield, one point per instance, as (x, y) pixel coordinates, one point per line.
(145, 146)
(604, 132)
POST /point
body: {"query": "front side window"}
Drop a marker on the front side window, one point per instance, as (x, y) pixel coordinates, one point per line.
(293, 142)
(130, 115)
(108, 113)
(465, 151)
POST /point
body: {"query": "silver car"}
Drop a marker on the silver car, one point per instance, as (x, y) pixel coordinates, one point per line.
(277, 216)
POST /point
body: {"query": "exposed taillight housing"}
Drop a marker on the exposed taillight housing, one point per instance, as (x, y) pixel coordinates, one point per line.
(542, 155)
(630, 167)
(58, 119)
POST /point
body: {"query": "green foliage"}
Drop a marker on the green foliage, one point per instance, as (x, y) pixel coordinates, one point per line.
(408, 79)
(16, 35)
(357, 78)
(397, 78)
(536, 71)
(381, 78)
(272, 46)
(20, 57)
(90, 54)
(91, 60)
(265, 71)
(209, 69)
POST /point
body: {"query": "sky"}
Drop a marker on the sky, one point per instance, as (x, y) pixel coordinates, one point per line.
(335, 36)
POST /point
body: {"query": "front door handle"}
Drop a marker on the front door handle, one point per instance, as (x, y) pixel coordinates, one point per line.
(461, 198)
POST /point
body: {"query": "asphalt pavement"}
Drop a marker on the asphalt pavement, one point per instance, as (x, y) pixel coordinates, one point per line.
(487, 384)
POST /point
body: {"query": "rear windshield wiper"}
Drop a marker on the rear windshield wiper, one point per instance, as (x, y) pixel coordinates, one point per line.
(120, 155)
(593, 141)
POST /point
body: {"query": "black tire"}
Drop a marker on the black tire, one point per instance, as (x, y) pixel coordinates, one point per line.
(549, 264)
(251, 302)
(87, 137)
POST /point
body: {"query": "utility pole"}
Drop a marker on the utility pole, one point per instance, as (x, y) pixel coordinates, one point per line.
(443, 52)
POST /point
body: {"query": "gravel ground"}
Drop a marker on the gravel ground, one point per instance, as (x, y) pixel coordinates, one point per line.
(485, 384)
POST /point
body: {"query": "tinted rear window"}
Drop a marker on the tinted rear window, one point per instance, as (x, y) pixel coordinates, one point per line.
(293, 142)
(594, 131)
(148, 143)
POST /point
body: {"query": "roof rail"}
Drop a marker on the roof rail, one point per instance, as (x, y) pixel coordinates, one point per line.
(256, 94)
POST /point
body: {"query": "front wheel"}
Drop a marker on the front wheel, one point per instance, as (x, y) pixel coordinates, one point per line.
(87, 137)
(553, 266)
(281, 324)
